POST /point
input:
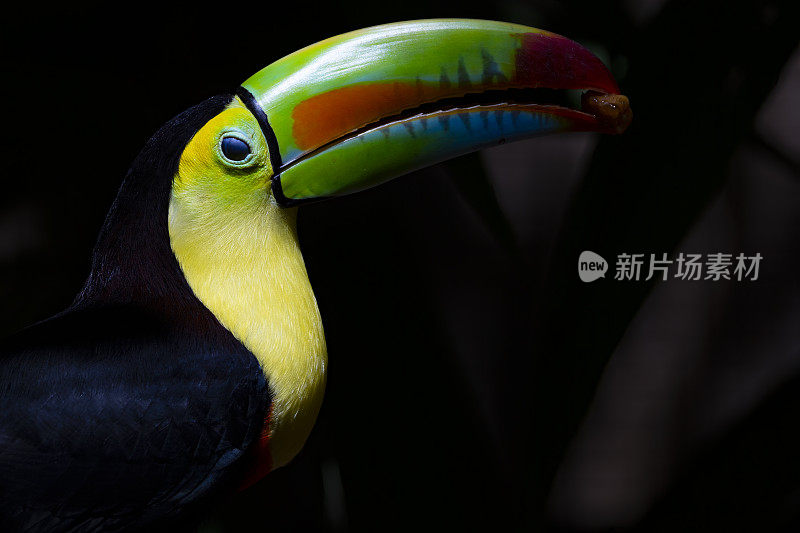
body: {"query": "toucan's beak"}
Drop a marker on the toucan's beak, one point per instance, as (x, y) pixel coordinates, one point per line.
(359, 109)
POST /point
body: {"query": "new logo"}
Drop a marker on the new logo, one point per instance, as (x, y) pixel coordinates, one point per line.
(591, 266)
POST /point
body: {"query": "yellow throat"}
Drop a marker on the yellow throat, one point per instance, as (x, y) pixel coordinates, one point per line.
(241, 258)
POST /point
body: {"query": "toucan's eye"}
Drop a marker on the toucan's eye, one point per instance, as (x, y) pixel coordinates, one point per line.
(235, 149)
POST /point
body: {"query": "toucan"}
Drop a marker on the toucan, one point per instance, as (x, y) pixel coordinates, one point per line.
(193, 361)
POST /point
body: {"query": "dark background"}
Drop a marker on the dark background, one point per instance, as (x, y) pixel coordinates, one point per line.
(475, 383)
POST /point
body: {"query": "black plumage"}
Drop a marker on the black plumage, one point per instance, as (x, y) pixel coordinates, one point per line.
(134, 404)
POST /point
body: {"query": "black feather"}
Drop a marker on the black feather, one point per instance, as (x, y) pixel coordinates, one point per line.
(134, 405)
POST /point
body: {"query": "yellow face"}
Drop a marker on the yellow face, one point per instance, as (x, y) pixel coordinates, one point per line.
(239, 253)
(226, 163)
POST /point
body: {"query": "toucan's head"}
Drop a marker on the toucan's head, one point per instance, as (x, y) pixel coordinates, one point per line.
(337, 117)
(356, 110)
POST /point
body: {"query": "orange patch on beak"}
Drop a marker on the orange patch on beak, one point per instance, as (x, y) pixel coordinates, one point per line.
(328, 116)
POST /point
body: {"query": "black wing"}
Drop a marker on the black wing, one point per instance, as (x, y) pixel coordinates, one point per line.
(115, 418)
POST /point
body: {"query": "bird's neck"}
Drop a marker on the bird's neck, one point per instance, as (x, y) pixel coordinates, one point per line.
(244, 263)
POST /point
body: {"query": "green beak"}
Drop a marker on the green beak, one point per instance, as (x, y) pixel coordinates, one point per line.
(359, 109)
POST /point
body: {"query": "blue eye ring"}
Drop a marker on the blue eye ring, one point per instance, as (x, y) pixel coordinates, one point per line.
(235, 149)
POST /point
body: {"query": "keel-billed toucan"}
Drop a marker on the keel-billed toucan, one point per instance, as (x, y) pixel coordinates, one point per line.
(193, 360)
